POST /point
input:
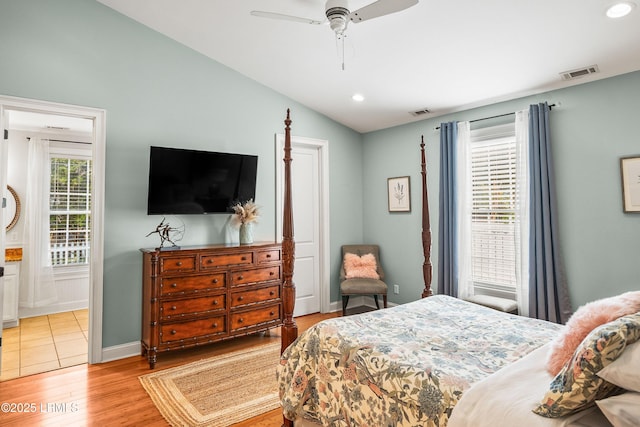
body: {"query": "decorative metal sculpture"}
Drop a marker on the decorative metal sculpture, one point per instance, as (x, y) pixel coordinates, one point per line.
(168, 234)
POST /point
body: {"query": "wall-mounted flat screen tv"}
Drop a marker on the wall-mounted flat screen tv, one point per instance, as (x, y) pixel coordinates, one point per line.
(198, 182)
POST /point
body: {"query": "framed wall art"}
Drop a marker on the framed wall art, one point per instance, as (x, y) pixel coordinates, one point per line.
(399, 194)
(630, 172)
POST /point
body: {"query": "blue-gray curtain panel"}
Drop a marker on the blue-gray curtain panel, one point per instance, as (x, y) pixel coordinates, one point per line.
(447, 238)
(548, 294)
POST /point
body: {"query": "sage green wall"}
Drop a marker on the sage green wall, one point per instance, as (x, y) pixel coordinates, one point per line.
(158, 92)
(594, 125)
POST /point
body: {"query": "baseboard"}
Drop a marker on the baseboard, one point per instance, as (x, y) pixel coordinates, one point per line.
(120, 351)
(367, 301)
(24, 312)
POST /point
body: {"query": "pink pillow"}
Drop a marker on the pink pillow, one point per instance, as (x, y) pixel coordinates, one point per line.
(360, 267)
(584, 320)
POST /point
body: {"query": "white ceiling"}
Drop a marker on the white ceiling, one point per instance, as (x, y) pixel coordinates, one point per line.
(441, 55)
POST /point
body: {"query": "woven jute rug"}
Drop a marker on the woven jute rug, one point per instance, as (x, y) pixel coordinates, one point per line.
(218, 391)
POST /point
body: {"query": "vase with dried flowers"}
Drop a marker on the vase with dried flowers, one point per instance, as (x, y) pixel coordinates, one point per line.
(245, 215)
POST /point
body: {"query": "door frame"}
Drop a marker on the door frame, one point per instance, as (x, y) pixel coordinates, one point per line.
(98, 148)
(323, 189)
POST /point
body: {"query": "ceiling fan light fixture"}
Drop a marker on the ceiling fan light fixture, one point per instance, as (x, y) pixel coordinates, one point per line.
(337, 12)
(358, 97)
(620, 9)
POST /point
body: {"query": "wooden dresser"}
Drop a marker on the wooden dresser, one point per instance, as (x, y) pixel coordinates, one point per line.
(199, 295)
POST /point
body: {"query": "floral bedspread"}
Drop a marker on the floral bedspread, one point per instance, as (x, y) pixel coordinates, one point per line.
(403, 366)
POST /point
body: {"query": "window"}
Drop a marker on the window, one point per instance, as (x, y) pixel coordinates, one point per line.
(492, 216)
(494, 211)
(70, 210)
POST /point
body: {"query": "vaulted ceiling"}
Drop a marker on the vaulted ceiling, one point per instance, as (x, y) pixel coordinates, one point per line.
(439, 55)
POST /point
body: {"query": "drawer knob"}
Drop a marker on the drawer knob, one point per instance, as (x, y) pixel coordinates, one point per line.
(240, 277)
(173, 307)
(173, 332)
(215, 325)
(271, 273)
(244, 258)
(240, 298)
(210, 261)
(215, 280)
(174, 285)
(271, 313)
(240, 320)
(215, 302)
(268, 255)
(179, 263)
(272, 293)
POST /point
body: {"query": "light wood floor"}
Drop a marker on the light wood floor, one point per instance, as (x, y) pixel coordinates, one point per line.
(110, 394)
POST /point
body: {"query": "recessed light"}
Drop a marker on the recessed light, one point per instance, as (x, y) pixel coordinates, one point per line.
(358, 97)
(620, 9)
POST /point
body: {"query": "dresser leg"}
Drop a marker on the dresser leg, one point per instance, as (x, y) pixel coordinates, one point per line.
(152, 358)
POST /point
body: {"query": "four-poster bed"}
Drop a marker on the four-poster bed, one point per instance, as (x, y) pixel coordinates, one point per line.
(410, 365)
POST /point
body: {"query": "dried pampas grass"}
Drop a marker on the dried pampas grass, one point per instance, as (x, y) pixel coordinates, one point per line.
(245, 213)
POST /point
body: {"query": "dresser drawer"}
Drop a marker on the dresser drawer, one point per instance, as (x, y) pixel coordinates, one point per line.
(255, 275)
(174, 285)
(184, 307)
(223, 260)
(255, 295)
(184, 263)
(268, 256)
(171, 332)
(247, 319)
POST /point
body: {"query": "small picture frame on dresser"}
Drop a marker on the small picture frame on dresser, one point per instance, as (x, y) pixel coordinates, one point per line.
(630, 173)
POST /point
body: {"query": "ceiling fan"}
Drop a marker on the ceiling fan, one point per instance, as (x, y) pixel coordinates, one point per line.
(338, 14)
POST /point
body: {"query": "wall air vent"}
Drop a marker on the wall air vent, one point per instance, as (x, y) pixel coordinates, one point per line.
(580, 72)
(420, 112)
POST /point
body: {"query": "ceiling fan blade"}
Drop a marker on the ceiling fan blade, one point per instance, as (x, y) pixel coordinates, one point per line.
(273, 15)
(380, 8)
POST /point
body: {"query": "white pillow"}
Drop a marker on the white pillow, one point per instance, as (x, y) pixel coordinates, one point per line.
(622, 410)
(625, 370)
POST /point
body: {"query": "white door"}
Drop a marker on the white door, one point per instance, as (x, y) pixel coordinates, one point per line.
(308, 178)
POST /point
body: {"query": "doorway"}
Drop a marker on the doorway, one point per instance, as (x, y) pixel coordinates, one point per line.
(310, 194)
(69, 130)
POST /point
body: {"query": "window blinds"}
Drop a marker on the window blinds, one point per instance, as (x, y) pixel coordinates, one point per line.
(493, 213)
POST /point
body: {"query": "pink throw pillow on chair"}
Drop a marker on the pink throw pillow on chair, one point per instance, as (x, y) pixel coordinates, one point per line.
(360, 267)
(584, 320)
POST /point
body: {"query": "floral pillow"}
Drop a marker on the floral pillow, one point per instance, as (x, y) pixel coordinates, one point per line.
(360, 267)
(586, 319)
(578, 386)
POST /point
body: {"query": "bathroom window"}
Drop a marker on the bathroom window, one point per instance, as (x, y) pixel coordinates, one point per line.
(70, 210)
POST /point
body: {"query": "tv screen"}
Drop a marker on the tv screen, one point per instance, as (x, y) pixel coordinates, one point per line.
(198, 182)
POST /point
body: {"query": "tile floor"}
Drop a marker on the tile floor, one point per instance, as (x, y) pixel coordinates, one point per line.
(45, 343)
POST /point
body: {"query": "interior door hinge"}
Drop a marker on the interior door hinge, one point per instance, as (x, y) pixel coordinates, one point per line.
(6, 134)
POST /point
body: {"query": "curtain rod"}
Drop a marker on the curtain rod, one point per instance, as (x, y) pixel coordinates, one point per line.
(495, 117)
(62, 140)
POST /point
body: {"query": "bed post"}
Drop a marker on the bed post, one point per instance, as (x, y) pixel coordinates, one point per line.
(427, 268)
(289, 328)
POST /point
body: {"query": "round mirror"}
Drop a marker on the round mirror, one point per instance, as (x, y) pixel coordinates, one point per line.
(13, 208)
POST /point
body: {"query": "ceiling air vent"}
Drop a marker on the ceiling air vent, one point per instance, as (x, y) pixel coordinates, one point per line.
(580, 72)
(420, 112)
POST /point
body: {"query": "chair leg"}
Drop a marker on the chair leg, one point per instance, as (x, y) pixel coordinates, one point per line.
(375, 298)
(345, 301)
(384, 300)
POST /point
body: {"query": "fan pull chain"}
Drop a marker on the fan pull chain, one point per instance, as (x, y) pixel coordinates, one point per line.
(340, 46)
